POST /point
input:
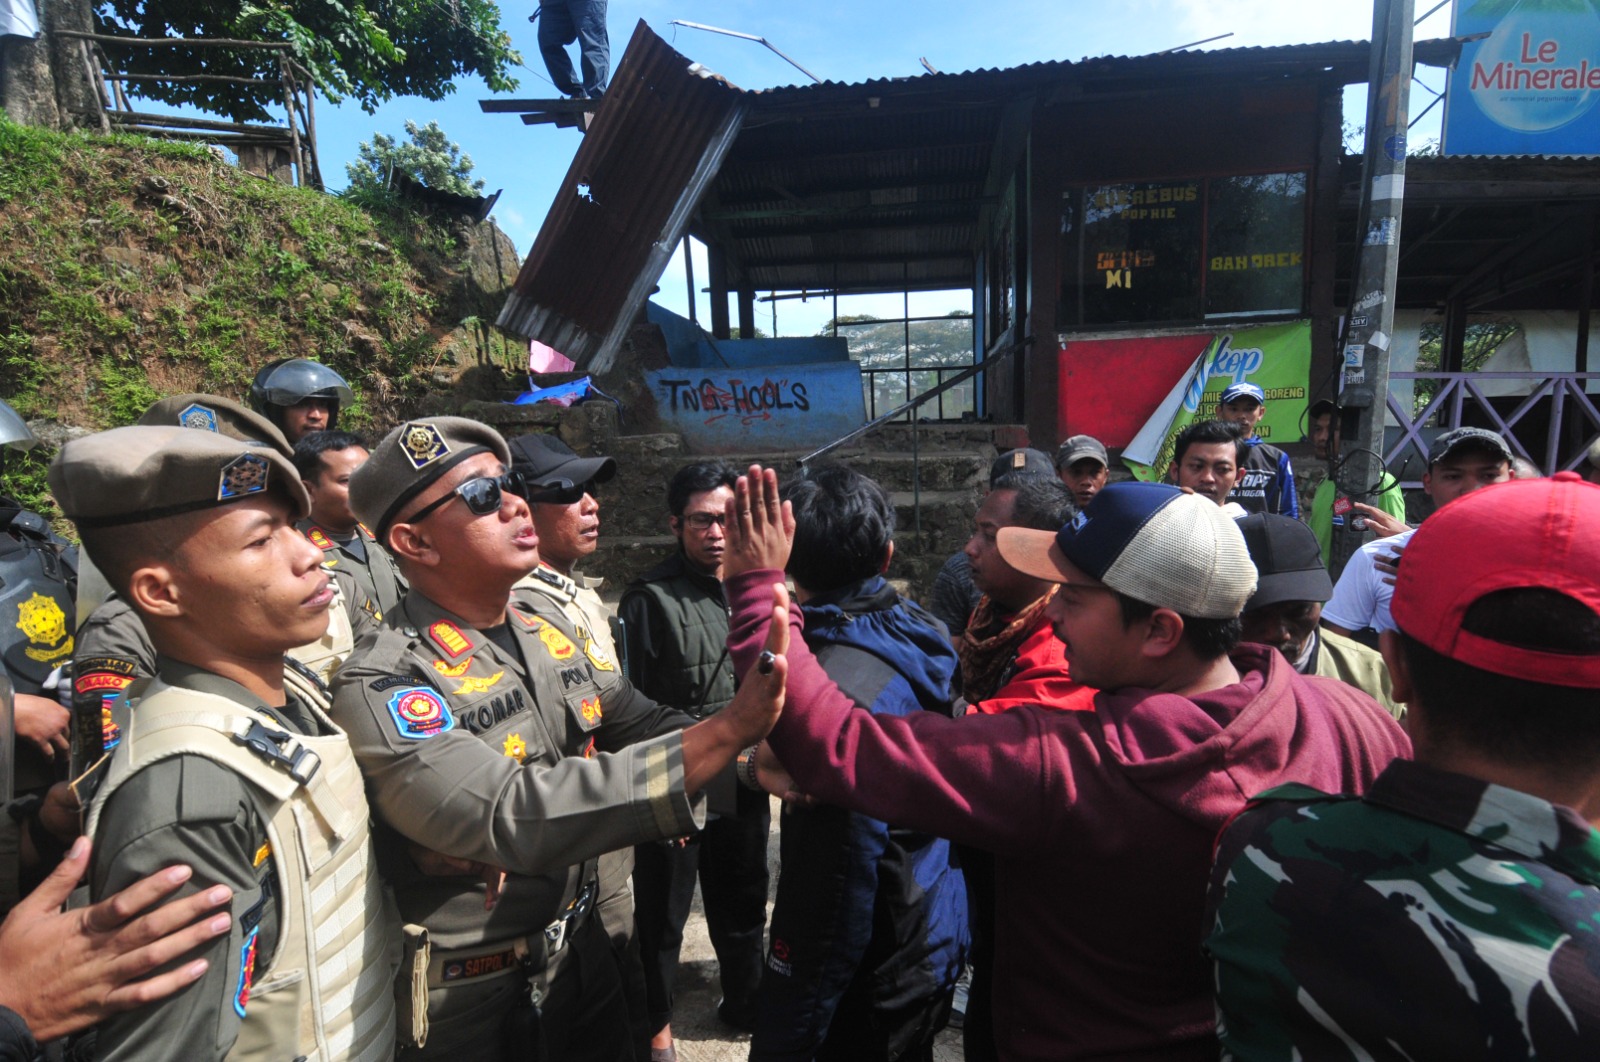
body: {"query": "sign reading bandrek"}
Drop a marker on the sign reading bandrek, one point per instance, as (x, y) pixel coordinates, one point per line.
(1276, 358)
(781, 407)
(1530, 87)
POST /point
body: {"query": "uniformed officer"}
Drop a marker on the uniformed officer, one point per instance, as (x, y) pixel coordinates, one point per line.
(38, 570)
(113, 650)
(224, 763)
(560, 489)
(489, 735)
(327, 460)
(300, 396)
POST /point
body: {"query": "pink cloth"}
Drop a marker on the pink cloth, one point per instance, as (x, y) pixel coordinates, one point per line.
(542, 358)
(1102, 823)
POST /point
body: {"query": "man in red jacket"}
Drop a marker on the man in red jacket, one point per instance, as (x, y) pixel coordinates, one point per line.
(1101, 822)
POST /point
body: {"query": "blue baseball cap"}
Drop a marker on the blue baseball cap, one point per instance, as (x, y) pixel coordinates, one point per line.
(1159, 544)
(1243, 390)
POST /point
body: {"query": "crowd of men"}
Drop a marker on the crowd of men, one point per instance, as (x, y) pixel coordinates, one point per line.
(328, 749)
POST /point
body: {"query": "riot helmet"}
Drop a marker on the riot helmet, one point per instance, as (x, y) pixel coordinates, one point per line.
(286, 383)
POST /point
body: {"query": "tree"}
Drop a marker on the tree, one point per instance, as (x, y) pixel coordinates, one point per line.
(368, 50)
(430, 158)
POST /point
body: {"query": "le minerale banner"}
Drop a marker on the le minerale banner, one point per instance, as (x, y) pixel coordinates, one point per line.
(1530, 87)
(1276, 358)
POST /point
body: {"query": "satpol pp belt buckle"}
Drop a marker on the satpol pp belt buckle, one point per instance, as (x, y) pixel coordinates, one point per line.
(557, 933)
(278, 746)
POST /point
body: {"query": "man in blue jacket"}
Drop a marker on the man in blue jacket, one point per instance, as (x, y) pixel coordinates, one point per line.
(1266, 480)
(869, 930)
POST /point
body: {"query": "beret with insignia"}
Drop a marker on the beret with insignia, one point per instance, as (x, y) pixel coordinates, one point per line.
(217, 414)
(144, 472)
(410, 459)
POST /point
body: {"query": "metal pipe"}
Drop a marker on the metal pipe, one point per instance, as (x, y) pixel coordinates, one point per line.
(748, 37)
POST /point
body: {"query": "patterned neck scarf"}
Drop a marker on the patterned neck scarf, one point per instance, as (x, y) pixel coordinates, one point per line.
(985, 662)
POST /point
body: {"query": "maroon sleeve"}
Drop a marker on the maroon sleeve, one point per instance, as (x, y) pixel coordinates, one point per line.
(991, 781)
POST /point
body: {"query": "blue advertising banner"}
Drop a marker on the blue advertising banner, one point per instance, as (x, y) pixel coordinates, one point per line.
(1531, 86)
(774, 407)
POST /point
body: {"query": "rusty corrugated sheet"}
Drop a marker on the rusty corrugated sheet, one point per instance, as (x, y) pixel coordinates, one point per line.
(657, 138)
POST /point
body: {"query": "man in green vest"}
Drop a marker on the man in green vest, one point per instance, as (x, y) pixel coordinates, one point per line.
(675, 626)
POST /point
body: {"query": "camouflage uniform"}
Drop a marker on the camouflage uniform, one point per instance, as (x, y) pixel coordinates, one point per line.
(1438, 917)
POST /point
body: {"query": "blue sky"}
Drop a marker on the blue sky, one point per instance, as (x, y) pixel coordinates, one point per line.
(842, 41)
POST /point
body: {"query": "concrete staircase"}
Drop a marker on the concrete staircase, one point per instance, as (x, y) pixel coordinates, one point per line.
(946, 464)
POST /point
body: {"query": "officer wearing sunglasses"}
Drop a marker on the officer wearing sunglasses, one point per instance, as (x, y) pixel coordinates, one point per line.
(491, 740)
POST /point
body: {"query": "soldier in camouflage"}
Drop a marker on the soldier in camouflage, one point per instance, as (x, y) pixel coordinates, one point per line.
(1450, 913)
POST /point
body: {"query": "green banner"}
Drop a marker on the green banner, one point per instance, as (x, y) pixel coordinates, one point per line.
(1276, 358)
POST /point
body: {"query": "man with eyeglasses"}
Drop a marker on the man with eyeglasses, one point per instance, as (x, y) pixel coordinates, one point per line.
(675, 626)
(502, 760)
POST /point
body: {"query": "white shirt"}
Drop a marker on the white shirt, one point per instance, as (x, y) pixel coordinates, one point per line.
(1362, 595)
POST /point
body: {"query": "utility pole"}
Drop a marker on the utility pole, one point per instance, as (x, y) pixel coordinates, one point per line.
(1369, 323)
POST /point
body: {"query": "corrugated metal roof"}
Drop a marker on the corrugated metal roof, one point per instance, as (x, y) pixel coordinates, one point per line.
(656, 140)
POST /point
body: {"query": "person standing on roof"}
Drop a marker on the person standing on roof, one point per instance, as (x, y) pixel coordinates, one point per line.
(300, 396)
(560, 23)
(1266, 479)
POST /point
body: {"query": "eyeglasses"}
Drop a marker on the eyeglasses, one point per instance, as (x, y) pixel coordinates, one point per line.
(483, 495)
(561, 495)
(703, 521)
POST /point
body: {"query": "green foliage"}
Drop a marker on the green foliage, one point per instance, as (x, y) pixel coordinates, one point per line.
(367, 50)
(430, 158)
(1483, 338)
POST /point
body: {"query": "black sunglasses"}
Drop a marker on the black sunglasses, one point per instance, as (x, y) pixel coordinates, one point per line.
(483, 495)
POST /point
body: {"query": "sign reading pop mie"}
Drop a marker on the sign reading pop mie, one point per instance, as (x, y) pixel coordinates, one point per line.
(1530, 87)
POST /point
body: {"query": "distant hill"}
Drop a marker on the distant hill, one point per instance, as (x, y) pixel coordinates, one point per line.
(134, 268)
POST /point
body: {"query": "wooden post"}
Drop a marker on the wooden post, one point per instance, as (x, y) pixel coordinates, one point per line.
(719, 292)
(747, 313)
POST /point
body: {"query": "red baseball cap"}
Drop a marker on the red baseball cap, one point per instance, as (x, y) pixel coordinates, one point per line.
(1525, 533)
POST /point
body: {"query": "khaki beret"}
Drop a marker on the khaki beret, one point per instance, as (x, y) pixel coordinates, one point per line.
(148, 472)
(215, 413)
(410, 459)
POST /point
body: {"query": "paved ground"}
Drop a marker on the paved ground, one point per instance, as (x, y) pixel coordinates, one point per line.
(701, 1037)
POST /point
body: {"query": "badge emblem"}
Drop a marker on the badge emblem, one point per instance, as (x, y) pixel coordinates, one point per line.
(423, 444)
(419, 713)
(318, 539)
(597, 656)
(590, 706)
(45, 625)
(471, 686)
(247, 972)
(110, 732)
(197, 416)
(559, 644)
(451, 670)
(244, 475)
(515, 747)
(449, 638)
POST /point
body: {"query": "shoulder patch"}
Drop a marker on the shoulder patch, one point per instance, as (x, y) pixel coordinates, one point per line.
(419, 712)
(389, 682)
(319, 538)
(448, 636)
(247, 972)
(116, 665)
(597, 656)
(103, 681)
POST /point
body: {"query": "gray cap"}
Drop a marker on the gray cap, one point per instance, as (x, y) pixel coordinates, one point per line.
(1078, 447)
(148, 472)
(1026, 461)
(14, 431)
(412, 458)
(215, 413)
(1459, 438)
(1594, 453)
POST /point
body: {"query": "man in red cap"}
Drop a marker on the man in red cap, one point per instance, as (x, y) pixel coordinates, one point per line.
(1451, 911)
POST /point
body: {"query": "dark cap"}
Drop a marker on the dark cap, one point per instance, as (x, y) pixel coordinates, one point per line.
(1321, 406)
(546, 461)
(1287, 558)
(1468, 438)
(148, 472)
(1079, 447)
(1027, 461)
(1243, 390)
(218, 414)
(410, 459)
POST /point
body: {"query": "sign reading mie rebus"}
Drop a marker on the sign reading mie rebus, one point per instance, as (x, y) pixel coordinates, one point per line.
(1531, 86)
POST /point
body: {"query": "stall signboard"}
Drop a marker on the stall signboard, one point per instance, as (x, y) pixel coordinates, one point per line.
(1531, 86)
(1276, 358)
(774, 407)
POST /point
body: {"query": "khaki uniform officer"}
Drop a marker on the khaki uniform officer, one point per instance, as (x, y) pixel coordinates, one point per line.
(113, 650)
(224, 765)
(489, 739)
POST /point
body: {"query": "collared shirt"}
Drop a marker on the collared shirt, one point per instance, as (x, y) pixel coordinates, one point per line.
(1439, 917)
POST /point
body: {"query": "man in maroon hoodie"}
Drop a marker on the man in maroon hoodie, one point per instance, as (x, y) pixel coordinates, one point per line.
(1101, 822)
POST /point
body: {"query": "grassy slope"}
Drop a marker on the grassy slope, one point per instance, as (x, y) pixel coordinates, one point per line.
(111, 295)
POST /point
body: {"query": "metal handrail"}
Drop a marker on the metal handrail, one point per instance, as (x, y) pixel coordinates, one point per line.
(916, 436)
